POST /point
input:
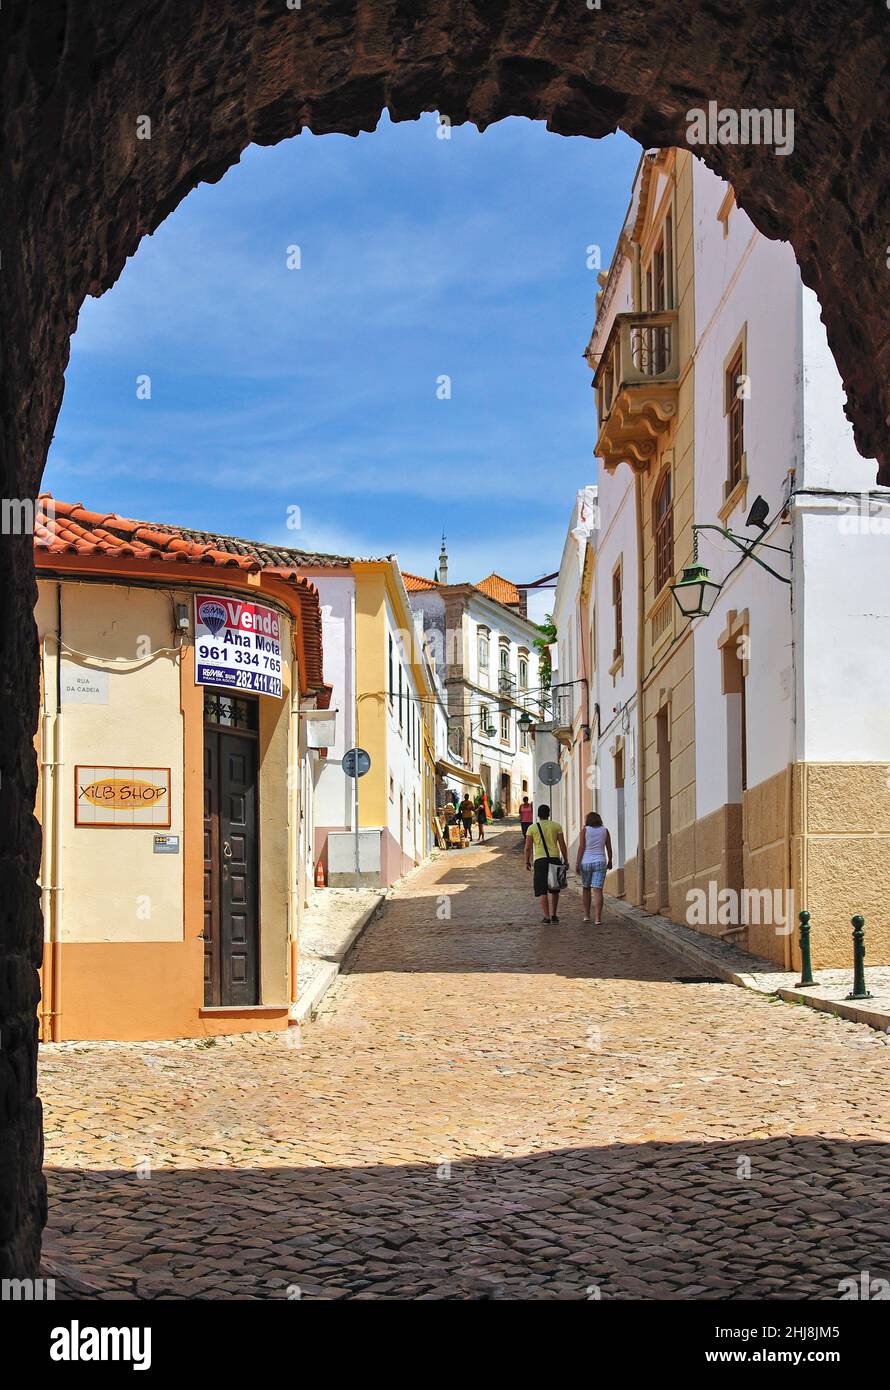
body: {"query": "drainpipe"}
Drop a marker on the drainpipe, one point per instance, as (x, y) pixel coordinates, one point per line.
(641, 731)
(294, 805)
(56, 914)
(47, 770)
(355, 744)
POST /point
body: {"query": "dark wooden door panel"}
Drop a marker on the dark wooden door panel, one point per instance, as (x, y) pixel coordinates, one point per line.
(211, 867)
(239, 934)
(231, 922)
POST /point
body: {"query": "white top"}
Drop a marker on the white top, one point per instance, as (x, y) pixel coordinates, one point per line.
(594, 843)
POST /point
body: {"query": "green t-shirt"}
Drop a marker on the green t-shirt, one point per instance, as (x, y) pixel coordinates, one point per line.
(548, 846)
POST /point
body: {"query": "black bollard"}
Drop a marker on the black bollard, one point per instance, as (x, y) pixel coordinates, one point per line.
(806, 961)
(859, 990)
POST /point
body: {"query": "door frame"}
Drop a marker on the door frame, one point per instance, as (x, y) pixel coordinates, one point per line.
(252, 735)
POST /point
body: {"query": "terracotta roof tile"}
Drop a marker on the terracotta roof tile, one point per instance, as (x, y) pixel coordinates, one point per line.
(69, 527)
(65, 528)
(415, 582)
(502, 590)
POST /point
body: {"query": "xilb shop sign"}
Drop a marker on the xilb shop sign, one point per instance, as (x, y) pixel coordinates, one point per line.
(237, 645)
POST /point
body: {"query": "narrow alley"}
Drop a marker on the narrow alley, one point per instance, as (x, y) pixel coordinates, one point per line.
(486, 1107)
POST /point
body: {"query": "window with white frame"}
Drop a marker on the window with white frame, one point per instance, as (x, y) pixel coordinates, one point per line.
(482, 637)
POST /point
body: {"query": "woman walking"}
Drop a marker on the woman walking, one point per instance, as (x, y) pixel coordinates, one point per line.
(481, 818)
(546, 841)
(594, 862)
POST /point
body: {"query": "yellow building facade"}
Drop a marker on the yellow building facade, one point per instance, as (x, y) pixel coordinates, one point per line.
(169, 806)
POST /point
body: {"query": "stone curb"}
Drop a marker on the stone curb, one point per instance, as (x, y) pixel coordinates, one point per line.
(855, 1013)
(306, 1007)
(672, 935)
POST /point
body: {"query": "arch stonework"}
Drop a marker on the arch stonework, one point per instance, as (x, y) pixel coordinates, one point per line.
(80, 190)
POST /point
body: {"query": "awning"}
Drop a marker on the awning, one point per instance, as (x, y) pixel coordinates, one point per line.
(458, 774)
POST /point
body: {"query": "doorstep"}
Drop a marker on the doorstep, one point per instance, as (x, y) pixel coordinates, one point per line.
(242, 1010)
(739, 967)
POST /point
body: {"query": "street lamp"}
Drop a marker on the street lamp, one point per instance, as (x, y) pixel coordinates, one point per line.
(524, 721)
(696, 592)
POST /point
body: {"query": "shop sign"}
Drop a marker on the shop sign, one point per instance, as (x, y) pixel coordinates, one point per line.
(129, 796)
(237, 645)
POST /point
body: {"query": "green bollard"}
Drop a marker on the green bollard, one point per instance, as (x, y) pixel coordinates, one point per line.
(806, 960)
(859, 990)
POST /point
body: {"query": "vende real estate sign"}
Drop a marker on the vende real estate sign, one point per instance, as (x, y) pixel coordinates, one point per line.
(237, 645)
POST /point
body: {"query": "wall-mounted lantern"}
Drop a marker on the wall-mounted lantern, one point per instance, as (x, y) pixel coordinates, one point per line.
(696, 592)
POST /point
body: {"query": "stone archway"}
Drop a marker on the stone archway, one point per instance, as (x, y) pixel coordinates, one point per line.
(82, 188)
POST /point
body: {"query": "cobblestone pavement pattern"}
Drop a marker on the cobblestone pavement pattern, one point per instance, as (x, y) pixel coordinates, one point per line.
(486, 1108)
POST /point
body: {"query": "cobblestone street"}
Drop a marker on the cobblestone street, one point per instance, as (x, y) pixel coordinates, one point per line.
(486, 1107)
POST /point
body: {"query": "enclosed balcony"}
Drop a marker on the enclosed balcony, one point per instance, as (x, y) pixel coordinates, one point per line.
(636, 384)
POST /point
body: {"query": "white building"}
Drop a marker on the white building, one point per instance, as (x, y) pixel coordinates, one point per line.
(485, 655)
(743, 755)
(571, 718)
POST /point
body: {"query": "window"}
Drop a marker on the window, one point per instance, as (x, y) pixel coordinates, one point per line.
(735, 414)
(401, 713)
(663, 532)
(524, 744)
(523, 669)
(659, 295)
(231, 711)
(504, 657)
(484, 718)
(616, 609)
(482, 637)
(391, 689)
(505, 728)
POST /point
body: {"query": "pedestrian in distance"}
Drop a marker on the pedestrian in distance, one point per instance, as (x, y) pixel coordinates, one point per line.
(467, 815)
(526, 815)
(593, 863)
(545, 846)
(481, 818)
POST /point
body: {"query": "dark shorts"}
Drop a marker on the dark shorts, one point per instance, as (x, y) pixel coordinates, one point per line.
(525, 826)
(541, 866)
(468, 825)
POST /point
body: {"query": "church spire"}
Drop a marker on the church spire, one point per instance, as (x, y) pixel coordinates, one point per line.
(442, 570)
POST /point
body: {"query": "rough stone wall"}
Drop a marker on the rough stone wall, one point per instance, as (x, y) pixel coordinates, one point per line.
(80, 190)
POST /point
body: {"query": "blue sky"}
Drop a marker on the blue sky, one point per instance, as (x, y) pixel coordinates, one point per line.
(276, 388)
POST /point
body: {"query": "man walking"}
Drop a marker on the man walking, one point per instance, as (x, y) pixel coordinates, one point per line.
(467, 815)
(547, 843)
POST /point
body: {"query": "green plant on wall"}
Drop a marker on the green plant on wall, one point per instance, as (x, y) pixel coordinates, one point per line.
(542, 644)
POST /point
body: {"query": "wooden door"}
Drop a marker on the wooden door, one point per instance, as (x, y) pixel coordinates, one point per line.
(231, 926)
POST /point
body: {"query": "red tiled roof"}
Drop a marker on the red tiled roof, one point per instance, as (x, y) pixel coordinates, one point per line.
(68, 528)
(500, 589)
(495, 586)
(415, 582)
